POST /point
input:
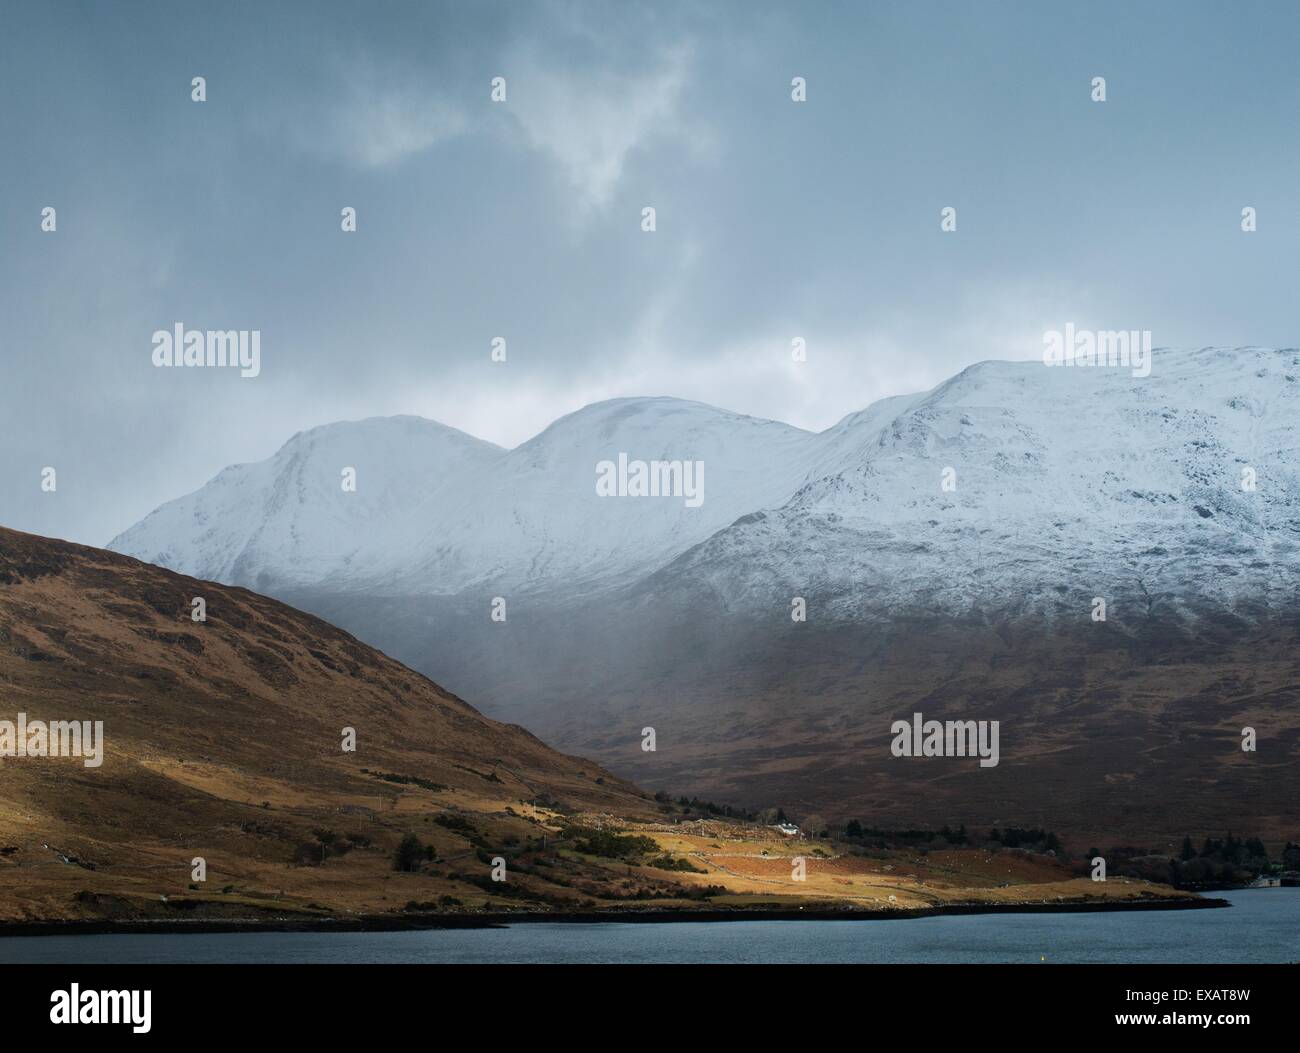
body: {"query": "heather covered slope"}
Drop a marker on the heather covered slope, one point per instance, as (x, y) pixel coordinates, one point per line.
(223, 739)
(258, 684)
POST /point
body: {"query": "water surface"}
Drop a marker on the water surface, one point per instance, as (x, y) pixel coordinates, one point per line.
(1263, 925)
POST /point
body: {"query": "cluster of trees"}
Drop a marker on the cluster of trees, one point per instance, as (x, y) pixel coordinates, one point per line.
(327, 843)
(1033, 839)
(1218, 863)
(609, 844)
(405, 780)
(694, 805)
(853, 830)
(1226, 850)
(1029, 839)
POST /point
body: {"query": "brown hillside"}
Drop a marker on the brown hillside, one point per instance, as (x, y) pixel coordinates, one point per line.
(222, 740)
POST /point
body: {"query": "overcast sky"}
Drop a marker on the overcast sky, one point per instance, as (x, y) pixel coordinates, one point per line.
(522, 219)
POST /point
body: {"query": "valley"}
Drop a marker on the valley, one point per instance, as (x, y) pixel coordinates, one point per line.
(1106, 564)
(224, 798)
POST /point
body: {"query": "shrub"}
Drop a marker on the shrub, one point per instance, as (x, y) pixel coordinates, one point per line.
(614, 846)
(308, 854)
(409, 854)
(683, 865)
(454, 822)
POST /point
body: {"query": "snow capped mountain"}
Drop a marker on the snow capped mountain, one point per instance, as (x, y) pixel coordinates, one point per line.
(1169, 492)
(288, 521)
(539, 522)
(950, 547)
(438, 512)
(1011, 489)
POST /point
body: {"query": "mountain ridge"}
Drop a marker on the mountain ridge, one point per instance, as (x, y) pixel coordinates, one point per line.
(528, 519)
(1099, 570)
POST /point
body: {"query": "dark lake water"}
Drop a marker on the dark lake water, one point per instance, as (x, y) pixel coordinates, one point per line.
(1263, 925)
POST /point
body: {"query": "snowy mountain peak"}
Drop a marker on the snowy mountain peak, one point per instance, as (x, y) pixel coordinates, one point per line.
(1014, 487)
(1006, 484)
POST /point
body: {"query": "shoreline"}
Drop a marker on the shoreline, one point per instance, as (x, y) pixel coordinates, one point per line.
(420, 922)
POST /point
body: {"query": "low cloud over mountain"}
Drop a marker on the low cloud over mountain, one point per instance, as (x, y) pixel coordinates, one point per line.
(1104, 561)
